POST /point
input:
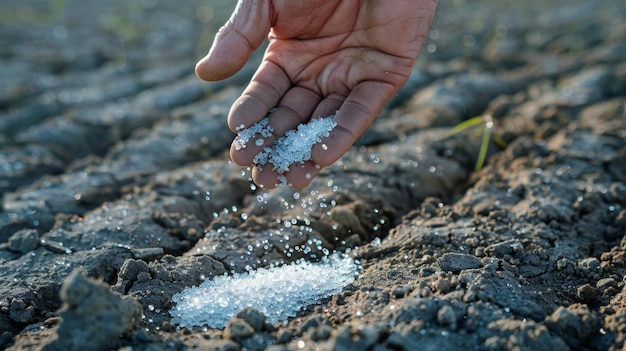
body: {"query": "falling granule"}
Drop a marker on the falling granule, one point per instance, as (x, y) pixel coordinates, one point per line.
(279, 292)
(295, 146)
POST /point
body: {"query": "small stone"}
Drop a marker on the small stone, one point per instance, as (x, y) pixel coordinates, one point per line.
(253, 317)
(561, 264)
(131, 268)
(586, 292)
(24, 241)
(148, 254)
(401, 291)
(606, 283)
(426, 292)
(284, 336)
(20, 312)
(319, 333)
(456, 262)
(504, 248)
(238, 329)
(312, 323)
(168, 327)
(610, 291)
(446, 317)
(129, 273)
(591, 264)
(443, 285)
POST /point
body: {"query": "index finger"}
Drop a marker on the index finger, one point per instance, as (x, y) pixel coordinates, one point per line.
(267, 87)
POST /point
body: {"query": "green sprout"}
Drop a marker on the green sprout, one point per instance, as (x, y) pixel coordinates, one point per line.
(487, 126)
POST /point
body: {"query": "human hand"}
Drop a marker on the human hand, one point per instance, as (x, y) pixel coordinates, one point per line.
(349, 56)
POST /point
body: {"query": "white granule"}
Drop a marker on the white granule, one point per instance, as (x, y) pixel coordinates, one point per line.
(295, 146)
(262, 127)
(279, 292)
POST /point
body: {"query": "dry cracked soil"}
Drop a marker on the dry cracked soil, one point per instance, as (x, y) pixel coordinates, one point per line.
(117, 192)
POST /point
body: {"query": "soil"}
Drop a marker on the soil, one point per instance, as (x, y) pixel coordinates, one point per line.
(117, 192)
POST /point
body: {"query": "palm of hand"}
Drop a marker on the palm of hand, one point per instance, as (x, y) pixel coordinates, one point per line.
(323, 56)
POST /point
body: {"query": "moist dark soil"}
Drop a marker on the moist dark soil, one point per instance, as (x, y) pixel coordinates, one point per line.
(117, 191)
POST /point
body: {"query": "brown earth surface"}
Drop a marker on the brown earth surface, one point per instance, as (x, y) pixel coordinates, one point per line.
(117, 192)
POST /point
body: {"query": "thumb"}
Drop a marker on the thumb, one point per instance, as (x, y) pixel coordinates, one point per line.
(243, 33)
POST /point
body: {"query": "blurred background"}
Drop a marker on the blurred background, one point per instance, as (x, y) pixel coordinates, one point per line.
(72, 64)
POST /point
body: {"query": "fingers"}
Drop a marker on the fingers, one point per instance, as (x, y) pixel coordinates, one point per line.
(298, 177)
(353, 118)
(355, 115)
(236, 40)
(293, 109)
(328, 106)
(269, 87)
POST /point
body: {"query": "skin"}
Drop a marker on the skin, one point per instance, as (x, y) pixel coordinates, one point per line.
(323, 56)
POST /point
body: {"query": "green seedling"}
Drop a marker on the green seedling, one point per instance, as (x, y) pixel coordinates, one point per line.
(487, 126)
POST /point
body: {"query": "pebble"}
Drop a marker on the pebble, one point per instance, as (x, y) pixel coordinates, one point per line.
(586, 293)
(238, 329)
(504, 248)
(21, 312)
(456, 262)
(253, 317)
(312, 323)
(284, 336)
(443, 285)
(148, 254)
(605, 283)
(401, 291)
(591, 264)
(24, 241)
(446, 317)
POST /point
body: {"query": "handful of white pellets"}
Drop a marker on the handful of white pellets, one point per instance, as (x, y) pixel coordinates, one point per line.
(292, 148)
